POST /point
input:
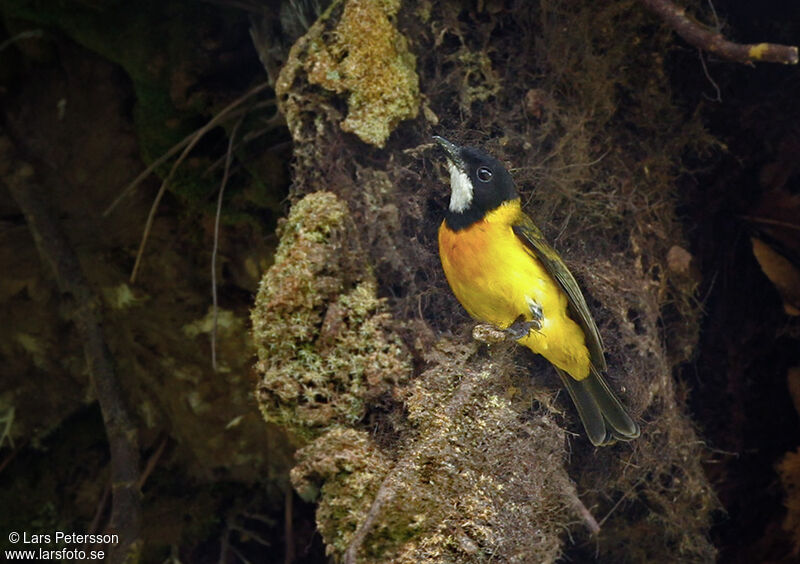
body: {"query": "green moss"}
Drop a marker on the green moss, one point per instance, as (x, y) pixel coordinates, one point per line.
(346, 468)
(366, 57)
(479, 80)
(480, 481)
(474, 481)
(323, 338)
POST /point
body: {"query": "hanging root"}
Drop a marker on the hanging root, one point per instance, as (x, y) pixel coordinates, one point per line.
(226, 174)
(187, 145)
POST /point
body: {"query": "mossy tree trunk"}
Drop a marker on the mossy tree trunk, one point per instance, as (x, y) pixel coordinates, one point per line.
(473, 458)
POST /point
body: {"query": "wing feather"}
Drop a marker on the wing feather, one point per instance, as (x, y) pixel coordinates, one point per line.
(532, 237)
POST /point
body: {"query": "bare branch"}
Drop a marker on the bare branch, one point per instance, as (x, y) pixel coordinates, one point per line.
(703, 38)
(56, 252)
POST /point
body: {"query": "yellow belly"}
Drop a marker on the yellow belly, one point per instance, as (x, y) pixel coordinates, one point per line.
(494, 276)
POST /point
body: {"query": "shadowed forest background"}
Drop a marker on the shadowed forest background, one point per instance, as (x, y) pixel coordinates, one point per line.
(226, 334)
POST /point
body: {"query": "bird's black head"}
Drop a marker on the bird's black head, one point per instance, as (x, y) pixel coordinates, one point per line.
(479, 183)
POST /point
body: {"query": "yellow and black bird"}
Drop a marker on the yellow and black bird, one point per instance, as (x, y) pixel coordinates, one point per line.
(504, 273)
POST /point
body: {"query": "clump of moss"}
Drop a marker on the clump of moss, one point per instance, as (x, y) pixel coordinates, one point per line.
(346, 468)
(365, 56)
(474, 481)
(479, 81)
(322, 335)
(481, 481)
(596, 151)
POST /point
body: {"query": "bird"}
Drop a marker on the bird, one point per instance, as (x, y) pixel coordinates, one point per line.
(503, 272)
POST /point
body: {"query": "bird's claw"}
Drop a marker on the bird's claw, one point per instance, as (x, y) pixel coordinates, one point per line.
(521, 328)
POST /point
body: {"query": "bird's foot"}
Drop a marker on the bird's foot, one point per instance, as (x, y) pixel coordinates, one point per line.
(521, 328)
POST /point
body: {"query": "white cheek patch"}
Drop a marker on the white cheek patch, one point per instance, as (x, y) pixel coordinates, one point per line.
(460, 188)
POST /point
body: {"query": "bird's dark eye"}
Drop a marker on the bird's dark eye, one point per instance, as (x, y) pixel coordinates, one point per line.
(484, 174)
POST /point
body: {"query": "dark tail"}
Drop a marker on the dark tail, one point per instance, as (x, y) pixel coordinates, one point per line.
(601, 412)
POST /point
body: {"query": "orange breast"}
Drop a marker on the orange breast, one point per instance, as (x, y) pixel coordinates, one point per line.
(494, 276)
(470, 261)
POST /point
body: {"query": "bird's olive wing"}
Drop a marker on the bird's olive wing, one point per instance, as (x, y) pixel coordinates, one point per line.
(534, 240)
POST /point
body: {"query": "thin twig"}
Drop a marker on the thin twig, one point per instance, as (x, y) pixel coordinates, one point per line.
(98, 513)
(249, 534)
(770, 221)
(7, 421)
(148, 171)
(239, 554)
(704, 38)
(718, 98)
(28, 34)
(288, 527)
(247, 138)
(228, 159)
(717, 25)
(153, 460)
(195, 139)
(101, 507)
(619, 501)
(224, 544)
(161, 160)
